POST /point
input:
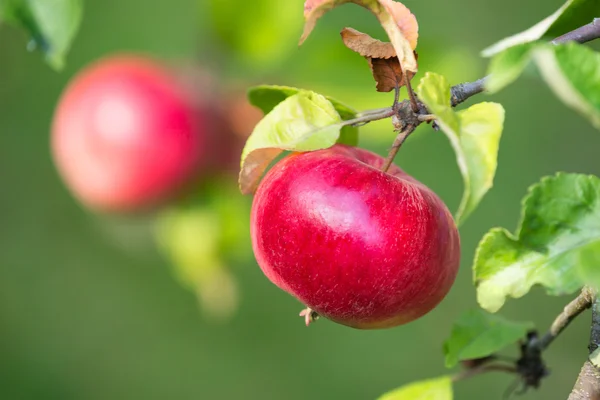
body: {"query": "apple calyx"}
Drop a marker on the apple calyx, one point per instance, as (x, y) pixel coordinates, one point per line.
(309, 315)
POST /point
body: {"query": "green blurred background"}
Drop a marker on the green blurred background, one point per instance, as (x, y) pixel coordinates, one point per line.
(90, 310)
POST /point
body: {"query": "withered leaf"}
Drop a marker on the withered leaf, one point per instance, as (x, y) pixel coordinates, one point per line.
(398, 22)
(405, 20)
(387, 73)
(381, 56)
(367, 46)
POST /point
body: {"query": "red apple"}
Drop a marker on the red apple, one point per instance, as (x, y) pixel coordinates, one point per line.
(126, 135)
(356, 245)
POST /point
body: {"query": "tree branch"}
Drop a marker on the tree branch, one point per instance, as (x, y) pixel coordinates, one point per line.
(530, 366)
(409, 114)
(595, 331)
(570, 312)
(587, 386)
(463, 91)
(586, 33)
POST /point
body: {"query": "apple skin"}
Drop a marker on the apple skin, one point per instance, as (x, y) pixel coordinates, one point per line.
(361, 247)
(126, 136)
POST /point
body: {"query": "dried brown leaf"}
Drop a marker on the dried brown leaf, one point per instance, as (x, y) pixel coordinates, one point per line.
(398, 22)
(315, 9)
(384, 64)
(254, 167)
(367, 46)
(387, 73)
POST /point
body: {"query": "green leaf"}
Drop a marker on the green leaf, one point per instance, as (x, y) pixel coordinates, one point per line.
(478, 140)
(560, 219)
(52, 24)
(397, 21)
(473, 133)
(431, 389)
(266, 97)
(507, 66)
(589, 264)
(222, 196)
(572, 15)
(190, 238)
(434, 91)
(573, 72)
(303, 122)
(477, 334)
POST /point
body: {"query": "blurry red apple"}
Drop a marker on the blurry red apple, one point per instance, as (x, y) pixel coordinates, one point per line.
(126, 135)
(236, 119)
(356, 245)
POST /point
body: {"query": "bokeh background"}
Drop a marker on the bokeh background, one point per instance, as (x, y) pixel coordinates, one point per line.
(89, 308)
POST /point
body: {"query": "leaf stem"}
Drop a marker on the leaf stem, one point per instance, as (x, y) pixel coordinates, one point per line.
(374, 111)
(411, 94)
(369, 116)
(427, 118)
(396, 97)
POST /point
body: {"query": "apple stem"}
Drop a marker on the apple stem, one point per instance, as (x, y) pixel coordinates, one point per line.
(400, 138)
(309, 315)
